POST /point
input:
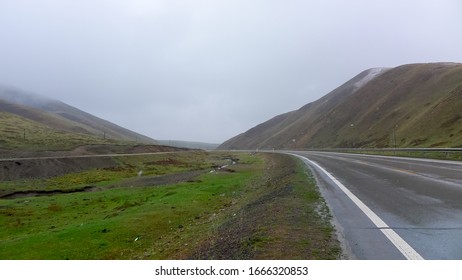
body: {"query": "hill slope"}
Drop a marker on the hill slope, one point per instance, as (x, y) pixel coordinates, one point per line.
(29, 120)
(416, 105)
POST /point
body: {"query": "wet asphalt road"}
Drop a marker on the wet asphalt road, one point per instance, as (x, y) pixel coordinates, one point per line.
(420, 200)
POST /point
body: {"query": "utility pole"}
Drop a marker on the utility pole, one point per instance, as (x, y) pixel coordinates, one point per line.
(394, 136)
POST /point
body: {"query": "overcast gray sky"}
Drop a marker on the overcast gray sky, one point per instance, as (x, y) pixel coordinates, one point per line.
(209, 70)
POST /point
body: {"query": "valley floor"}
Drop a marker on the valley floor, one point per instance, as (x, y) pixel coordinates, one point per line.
(188, 205)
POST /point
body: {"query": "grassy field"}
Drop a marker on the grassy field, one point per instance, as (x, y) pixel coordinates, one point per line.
(19, 133)
(264, 207)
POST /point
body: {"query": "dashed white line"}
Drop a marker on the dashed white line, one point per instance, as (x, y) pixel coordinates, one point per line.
(405, 249)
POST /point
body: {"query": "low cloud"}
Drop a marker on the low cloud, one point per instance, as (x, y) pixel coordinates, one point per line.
(208, 70)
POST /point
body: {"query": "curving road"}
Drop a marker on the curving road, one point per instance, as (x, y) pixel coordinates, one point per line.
(417, 204)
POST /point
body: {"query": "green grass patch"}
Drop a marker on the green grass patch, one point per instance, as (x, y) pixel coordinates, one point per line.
(18, 133)
(125, 167)
(149, 222)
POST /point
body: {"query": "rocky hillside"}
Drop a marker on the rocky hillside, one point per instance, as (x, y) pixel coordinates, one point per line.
(416, 105)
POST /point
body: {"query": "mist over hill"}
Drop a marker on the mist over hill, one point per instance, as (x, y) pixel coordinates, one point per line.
(415, 105)
(188, 144)
(28, 117)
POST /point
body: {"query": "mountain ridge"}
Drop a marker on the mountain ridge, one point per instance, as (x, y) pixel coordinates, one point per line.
(26, 112)
(366, 111)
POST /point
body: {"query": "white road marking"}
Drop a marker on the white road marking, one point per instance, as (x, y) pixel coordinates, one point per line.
(399, 242)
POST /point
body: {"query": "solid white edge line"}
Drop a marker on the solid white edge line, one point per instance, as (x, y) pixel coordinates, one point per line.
(399, 242)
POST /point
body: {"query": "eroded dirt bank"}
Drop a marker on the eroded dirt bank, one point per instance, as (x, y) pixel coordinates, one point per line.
(47, 168)
(90, 150)
(63, 163)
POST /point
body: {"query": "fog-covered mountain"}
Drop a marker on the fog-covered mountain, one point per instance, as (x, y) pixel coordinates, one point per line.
(41, 112)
